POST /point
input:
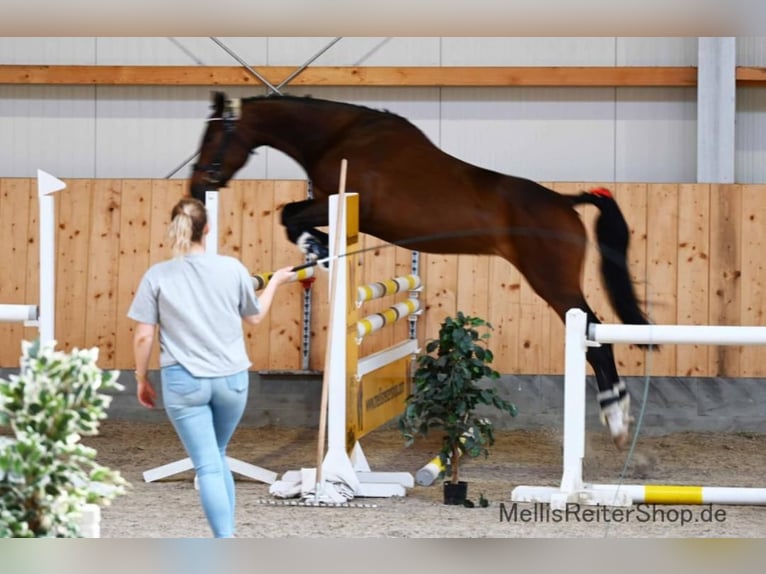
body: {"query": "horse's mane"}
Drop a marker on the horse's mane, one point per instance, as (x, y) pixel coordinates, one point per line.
(331, 104)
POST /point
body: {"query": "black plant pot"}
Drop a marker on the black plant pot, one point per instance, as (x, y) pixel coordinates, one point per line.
(455, 493)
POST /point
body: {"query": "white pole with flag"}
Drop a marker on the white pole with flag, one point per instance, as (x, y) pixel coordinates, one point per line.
(211, 205)
(47, 185)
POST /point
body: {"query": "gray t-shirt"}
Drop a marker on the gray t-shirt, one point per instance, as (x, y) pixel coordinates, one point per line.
(198, 301)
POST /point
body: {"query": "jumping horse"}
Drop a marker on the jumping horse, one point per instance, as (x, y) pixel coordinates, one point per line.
(413, 194)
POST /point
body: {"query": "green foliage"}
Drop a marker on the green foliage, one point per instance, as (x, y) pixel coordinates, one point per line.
(445, 394)
(46, 474)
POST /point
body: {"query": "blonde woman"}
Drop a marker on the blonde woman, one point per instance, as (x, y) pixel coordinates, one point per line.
(199, 302)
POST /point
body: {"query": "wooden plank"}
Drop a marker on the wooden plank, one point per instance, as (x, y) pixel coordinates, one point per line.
(230, 220)
(662, 269)
(33, 253)
(532, 334)
(257, 245)
(576, 76)
(693, 273)
(753, 279)
(257, 202)
(472, 296)
(134, 246)
(287, 310)
(504, 304)
(103, 269)
(440, 280)
(632, 199)
(15, 240)
(725, 273)
(473, 288)
(165, 194)
(72, 262)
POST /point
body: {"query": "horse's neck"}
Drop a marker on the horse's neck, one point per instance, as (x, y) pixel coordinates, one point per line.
(299, 130)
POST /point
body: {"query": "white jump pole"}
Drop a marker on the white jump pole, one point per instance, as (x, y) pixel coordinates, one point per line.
(18, 314)
(678, 334)
(572, 488)
(235, 465)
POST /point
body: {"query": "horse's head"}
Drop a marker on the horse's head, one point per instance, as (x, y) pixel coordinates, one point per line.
(223, 150)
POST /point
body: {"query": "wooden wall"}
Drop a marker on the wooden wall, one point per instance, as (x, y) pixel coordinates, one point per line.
(696, 256)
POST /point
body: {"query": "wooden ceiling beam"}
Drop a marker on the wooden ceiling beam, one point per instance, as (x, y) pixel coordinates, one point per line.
(433, 76)
(384, 76)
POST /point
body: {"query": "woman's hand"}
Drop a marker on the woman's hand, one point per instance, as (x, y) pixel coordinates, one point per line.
(284, 275)
(146, 394)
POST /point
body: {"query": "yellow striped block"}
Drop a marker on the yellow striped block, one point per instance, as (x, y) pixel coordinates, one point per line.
(664, 494)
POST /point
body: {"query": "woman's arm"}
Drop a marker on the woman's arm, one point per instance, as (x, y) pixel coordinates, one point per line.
(284, 275)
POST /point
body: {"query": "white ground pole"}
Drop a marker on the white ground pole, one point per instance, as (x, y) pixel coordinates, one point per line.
(572, 489)
(236, 465)
(41, 316)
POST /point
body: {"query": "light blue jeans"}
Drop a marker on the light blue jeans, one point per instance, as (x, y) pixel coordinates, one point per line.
(205, 413)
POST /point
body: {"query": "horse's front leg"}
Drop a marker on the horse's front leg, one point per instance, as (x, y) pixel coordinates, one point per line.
(300, 219)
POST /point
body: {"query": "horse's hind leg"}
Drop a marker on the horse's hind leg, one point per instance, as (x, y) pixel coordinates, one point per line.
(300, 219)
(613, 397)
(558, 283)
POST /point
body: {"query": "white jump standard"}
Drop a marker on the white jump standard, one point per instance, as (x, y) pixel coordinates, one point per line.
(580, 336)
(43, 315)
(364, 392)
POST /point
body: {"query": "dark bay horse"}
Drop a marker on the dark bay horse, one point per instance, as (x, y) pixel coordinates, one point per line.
(415, 195)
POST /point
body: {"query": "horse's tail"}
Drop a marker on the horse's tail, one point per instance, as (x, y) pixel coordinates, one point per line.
(613, 237)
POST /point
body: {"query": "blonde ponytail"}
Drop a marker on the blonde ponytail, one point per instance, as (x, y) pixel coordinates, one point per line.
(188, 220)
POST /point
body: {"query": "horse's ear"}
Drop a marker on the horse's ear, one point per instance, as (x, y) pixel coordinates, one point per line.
(219, 99)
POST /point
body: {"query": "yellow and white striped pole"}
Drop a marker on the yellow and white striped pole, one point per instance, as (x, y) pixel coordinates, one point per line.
(376, 321)
(388, 287)
(260, 280)
(426, 475)
(683, 495)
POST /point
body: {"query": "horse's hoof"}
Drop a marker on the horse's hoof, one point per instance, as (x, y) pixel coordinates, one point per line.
(621, 441)
(313, 249)
(618, 424)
